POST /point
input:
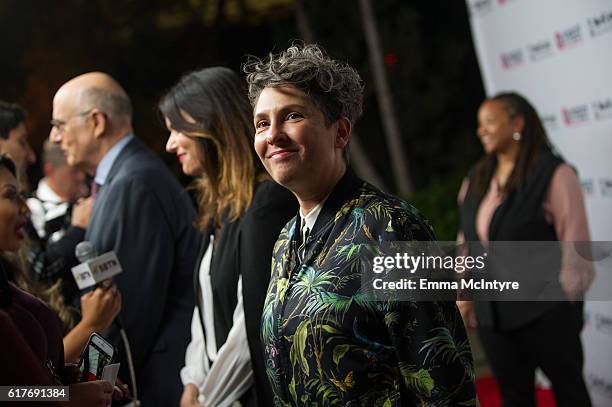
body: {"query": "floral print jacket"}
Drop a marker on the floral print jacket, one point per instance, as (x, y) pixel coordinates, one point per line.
(327, 343)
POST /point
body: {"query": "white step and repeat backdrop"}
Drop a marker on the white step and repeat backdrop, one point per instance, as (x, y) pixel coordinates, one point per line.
(558, 53)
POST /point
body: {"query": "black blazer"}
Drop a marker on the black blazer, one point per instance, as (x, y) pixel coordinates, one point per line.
(244, 247)
(145, 216)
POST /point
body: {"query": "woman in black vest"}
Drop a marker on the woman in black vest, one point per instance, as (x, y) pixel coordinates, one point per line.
(241, 213)
(521, 191)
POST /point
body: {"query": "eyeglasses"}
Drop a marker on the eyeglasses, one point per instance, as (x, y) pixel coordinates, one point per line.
(60, 125)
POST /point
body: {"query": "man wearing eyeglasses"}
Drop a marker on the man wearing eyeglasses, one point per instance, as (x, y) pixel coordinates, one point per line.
(143, 214)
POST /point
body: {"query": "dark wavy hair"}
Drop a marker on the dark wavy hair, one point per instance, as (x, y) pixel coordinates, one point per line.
(336, 88)
(216, 99)
(10, 117)
(533, 141)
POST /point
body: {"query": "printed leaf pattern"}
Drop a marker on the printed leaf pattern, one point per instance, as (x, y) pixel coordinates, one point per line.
(328, 343)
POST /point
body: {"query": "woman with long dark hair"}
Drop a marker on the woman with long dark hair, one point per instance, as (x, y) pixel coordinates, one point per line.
(522, 191)
(241, 213)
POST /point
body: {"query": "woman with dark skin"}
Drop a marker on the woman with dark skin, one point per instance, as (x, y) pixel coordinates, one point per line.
(98, 307)
(522, 191)
(34, 352)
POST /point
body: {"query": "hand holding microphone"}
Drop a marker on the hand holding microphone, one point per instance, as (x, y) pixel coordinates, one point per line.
(100, 307)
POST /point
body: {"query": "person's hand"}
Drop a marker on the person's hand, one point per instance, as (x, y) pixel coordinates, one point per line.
(190, 396)
(466, 308)
(81, 212)
(577, 270)
(576, 281)
(98, 393)
(118, 393)
(100, 307)
(123, 388)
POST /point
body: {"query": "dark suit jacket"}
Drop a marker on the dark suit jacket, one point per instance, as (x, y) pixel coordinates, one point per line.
(145, 216)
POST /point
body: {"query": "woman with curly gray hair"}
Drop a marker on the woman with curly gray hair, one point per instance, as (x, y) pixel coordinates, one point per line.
(325, 340)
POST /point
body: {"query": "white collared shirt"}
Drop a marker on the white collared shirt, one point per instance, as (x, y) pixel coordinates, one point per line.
(308, 221)
(222, 382)
(45, 206)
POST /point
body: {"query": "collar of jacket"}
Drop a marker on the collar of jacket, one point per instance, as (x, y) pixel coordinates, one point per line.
(342, 192)
(126, 152)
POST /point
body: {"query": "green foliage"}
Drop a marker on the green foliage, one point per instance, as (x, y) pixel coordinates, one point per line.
(296, 353)
(340, 351)
(418, 380)
(438, 203)
(444, 346)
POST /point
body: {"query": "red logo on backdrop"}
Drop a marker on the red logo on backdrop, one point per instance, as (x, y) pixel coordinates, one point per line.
(504, 2)
(569, 37)
(512, 59)
(575, 115)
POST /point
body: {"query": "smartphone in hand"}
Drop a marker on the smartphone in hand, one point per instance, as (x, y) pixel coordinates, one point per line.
(97, 354)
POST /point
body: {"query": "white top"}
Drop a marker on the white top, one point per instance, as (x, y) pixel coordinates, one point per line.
(307, 221)
(222, 382)
(47, 205)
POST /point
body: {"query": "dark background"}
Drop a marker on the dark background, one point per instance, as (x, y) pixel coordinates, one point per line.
(147, 44)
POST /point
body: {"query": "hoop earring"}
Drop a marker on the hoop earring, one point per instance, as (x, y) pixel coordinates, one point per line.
(516, 136)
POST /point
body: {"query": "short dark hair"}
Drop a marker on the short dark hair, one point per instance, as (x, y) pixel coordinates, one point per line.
(335, 87)
(10, 117)
(6, 162)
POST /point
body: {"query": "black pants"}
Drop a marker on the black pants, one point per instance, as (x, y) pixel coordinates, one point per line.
(552, 343)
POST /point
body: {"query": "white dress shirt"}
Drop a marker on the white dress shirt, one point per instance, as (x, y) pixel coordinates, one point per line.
(46, 206)
(222, 375)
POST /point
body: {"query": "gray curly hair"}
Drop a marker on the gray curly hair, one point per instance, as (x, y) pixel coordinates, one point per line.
(336, 88)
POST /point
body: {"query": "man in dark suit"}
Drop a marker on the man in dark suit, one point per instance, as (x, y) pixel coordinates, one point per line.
(143, 214)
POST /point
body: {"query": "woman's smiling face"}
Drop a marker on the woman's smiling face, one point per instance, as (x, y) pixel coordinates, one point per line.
(294, 143)
(186, 150)
(13, 211)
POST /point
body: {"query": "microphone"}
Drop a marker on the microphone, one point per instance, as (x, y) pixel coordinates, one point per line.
(94, 269)
(85, 251)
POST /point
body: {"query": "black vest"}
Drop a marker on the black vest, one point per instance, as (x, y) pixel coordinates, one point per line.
(520, 217)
